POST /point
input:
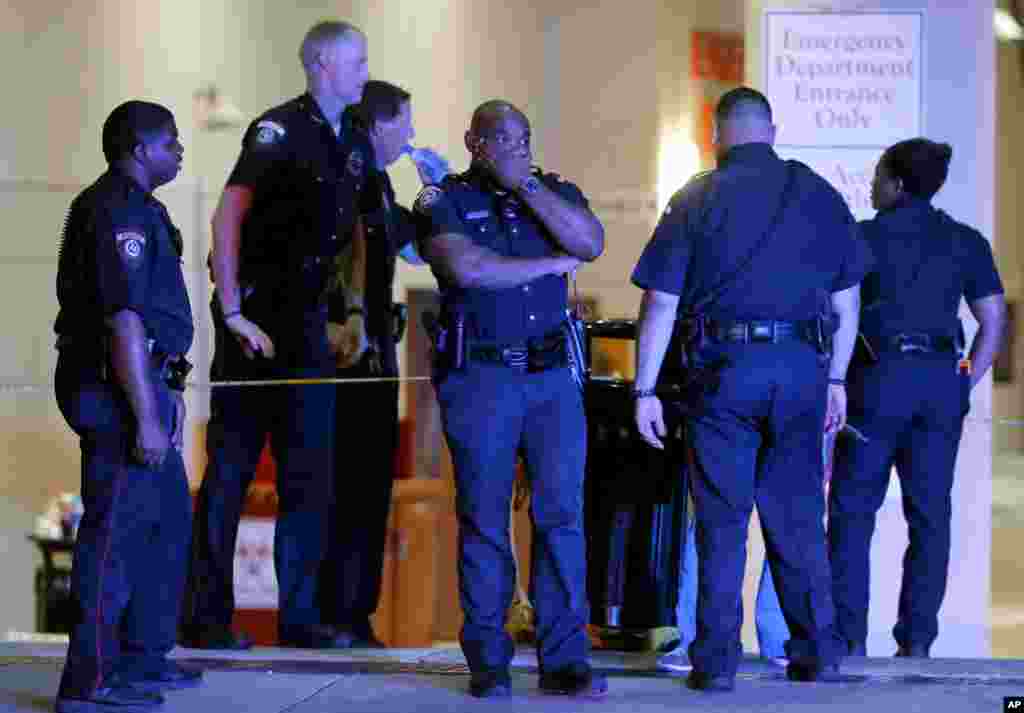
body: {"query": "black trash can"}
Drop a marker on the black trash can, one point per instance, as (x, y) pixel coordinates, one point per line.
(634, 502)
(55, 612)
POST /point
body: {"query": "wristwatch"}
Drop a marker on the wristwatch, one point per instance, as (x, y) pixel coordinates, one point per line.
(529, 185)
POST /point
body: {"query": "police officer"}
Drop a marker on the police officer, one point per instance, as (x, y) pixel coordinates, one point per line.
(723, 255)
(123, 329)
(909, 391)
(366, 415)
(290, 206)
(502, 237)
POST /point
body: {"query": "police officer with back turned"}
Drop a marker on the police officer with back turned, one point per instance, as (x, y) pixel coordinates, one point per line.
(910, 390)
(755, 256)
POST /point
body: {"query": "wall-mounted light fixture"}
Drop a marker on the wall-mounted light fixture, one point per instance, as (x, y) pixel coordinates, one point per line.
(214, 111)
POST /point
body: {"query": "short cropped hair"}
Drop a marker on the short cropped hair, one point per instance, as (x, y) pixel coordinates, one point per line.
(130, 124)
(381, 102)
(320, 36)
(921, 165)
(743, 101)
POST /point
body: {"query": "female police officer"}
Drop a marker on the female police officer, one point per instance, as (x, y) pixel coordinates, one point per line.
(909, 392)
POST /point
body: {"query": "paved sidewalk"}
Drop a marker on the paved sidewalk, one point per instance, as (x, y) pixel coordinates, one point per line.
(271, 680)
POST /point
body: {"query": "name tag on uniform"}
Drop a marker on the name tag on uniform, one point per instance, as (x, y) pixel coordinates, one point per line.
(477, 214)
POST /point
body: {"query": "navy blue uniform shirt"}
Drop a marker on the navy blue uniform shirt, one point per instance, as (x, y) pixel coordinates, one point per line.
(121, 251)
(308, 186)
(713, 222)
(470, 205)
(389, 228)
(925, 262)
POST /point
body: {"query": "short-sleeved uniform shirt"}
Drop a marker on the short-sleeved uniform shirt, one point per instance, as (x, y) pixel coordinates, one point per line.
(714, 222)
(120, 251)
(390, 227)
(471, 205)
(308, 187)
(926, 262)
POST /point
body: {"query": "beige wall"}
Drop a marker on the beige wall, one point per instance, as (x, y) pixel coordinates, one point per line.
(1008, 399)
(597, 78)
(75, 63)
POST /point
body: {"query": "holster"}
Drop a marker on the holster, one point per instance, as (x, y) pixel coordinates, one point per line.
(699, 376)
(448, 339)
(544, 353)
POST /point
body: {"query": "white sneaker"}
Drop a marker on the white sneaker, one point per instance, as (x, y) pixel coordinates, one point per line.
(675, 660)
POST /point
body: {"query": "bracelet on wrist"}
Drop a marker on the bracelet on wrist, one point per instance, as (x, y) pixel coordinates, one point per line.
(643, 393)
(837, 382)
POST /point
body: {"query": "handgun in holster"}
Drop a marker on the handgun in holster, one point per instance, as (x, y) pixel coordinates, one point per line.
(448, 340)
(698, 375)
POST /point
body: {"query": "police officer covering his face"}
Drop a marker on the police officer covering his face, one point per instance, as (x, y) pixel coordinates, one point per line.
(502, 238)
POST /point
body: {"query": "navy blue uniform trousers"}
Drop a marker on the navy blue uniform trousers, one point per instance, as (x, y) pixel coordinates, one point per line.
(131, 551)
(758, 439)
(366, 438)
(299, 421)
(911, 407)
(491, 413)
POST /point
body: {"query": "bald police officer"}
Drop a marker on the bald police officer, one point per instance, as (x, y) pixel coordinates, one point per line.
(290, 206)
(767, 379)
(123, 329)
(502, 238)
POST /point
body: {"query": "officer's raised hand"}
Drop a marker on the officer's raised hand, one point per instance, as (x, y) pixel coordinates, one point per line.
(505, 153)
(252, 339)
(650, 420)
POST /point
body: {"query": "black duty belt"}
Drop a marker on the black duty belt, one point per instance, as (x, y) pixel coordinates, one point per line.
(770, 331)
(541, 354)
(512, 356)
(919, 342)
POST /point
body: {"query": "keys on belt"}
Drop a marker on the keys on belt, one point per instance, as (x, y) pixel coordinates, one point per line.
(919, 342)
(515, 357)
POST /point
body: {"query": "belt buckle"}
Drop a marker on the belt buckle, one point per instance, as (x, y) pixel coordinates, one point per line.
(910, 343)
(514, 357)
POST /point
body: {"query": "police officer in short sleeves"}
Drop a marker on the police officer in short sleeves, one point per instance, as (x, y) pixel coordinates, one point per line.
(123, 329)
(366, 415)
(502, 238)
(756, 255)
(290, 205)
(909, 390)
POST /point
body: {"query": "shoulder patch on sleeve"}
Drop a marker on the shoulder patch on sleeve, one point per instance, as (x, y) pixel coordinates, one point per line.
(268, 132)
(131, 246)
(427, 198)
